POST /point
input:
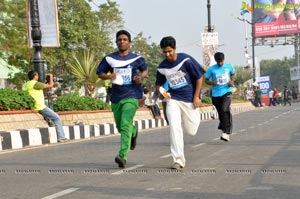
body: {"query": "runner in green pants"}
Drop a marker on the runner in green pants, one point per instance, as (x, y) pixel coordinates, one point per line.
(126, 71)
(124, 112)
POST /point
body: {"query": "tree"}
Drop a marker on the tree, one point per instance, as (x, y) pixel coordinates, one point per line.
(13, 37)
(278, 70)
(83, 66)
(80, 28)
(88, 32)
(82, 33)
(241, 76)
(151, 53)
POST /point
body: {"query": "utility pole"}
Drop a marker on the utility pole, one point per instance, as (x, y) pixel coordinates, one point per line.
(253, 44)
(36, 35)
(296, 45)
(208, 16)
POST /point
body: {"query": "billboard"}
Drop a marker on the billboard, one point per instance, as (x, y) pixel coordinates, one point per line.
(273, 17)
(264, 84)
(48, 23)
(295, 73)
(210, 42)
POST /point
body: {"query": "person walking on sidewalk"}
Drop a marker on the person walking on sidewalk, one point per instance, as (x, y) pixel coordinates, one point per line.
(126, 71)
(286, 95)
(271, 97)
(36, 90)
(184, 75)
(221, 77)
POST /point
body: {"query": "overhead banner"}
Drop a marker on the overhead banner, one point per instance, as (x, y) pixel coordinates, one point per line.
(48, 23)
(210, 42)
(278, 18)
(295, 73)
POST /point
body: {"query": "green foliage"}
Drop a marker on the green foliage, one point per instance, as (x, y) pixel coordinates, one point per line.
(74, 102)
(83, 67)
(15, 100)
(242, 75)
(206, 100)
(13, 39)
(152, 54)
(279, 72)
(93, 31)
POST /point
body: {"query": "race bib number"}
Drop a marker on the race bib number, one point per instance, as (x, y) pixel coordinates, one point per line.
(177, 80)
(126, 74)
(222, 79)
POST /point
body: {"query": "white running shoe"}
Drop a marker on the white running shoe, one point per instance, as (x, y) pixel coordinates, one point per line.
(225, 137)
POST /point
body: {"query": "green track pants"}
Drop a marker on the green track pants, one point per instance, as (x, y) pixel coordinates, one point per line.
(124, 112)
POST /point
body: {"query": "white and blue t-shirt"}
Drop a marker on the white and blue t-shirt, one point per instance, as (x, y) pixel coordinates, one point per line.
(127, 67)
(181, 75)
(222, 75)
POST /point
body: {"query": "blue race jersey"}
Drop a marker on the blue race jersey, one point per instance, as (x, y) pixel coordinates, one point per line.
(222, 75)
(182, 75)
(127, 67)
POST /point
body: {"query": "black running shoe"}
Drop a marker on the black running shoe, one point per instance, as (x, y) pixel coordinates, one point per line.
(133, 141)
(120, 161)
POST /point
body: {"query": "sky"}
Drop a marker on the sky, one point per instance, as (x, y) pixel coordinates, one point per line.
(186, 20)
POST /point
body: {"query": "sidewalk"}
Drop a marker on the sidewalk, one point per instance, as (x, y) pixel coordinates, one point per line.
(18, 139)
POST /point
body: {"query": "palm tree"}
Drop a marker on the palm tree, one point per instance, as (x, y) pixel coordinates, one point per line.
(83, 65)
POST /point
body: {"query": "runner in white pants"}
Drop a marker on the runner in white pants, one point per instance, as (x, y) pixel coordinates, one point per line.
(184, 118)
(184, 75)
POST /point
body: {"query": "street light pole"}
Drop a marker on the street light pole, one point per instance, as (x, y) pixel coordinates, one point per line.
(253, 43)
(36, 35)
(208, 16)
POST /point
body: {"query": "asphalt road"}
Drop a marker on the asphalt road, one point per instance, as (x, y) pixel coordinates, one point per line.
(262, 160)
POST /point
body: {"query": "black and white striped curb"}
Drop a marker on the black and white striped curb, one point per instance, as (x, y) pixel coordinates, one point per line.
(34, 137)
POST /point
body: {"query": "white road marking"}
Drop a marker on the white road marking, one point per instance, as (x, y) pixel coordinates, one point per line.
(127, 169)
(242, 130)
(259, 188)
(176, 188)
(216, 139)
(59, 194)
(201, 144)
(166, 156)
(150, 189)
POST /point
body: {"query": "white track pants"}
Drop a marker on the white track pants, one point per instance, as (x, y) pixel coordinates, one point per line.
(182, 118)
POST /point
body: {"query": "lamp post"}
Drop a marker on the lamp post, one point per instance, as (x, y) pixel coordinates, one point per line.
(36, 35)
(208, 16)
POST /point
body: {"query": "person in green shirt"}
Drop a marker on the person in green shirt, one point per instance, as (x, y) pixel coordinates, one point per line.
(35, 89)
(257, 94)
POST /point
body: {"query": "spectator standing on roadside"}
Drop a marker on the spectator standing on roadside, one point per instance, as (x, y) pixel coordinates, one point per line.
(250, 95)
(271, 97)
(126, 71)
(36, 90)
(286, 94)
(275, 96)
(280, 98)
(257, 94)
